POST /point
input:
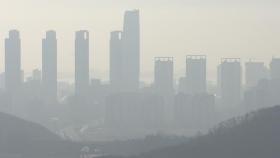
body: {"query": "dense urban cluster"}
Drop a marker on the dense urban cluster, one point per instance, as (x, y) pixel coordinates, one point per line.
(124, 108)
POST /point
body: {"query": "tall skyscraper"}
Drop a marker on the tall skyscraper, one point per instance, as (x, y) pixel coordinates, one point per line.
(49, 66)
(275, 68)
(255, 72)
(13, 76)
(116, 56)
(163, 79)
(81, 62)
(230, 79)
(196, 74)
(131, 51)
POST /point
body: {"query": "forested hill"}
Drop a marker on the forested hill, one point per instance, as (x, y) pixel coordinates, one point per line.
(255, 135)
(19, 138)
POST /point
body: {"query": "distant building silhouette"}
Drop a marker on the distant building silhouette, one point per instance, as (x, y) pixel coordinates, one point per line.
(196, 74)
(275, 68)
(255, 72)
(230, 78)
(49, 66)
(163, 77)
(131, 51)
(81, 62)
(134, 110)
(37, 75)
(264, 94)
(13, 73)
(32, 89)
(182, 85)
(116, 61)
(194, 111)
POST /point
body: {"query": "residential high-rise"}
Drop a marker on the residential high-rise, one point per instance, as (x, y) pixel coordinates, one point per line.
(255, 72)
(49, 66)
(196, 74)
(81, 63)
(275, 68)
(13, 76)
(131, 51)
(163, 79)
(230, 78)
(116, 56)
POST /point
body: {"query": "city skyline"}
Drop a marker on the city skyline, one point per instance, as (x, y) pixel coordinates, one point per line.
(139, 78)
(119, 34)
(211, 29)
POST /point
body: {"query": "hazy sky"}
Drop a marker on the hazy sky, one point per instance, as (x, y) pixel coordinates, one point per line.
(217, 28)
